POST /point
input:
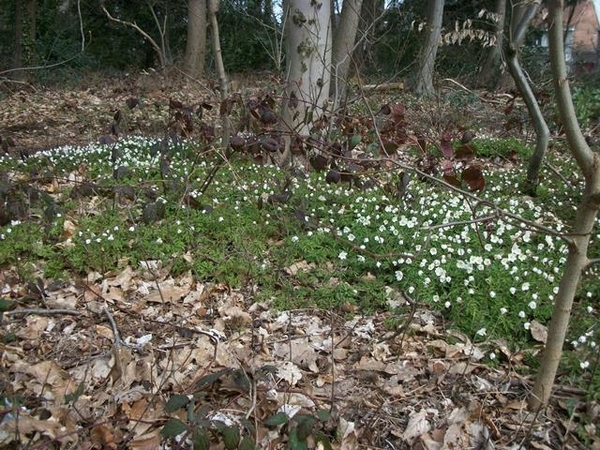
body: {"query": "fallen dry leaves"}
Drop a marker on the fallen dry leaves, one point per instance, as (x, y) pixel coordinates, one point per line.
(38, 118)
(102, 375)
(93, 363)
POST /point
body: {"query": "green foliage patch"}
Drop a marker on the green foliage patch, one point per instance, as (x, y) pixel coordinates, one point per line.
(334, 246)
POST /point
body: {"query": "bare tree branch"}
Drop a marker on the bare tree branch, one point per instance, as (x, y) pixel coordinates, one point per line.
(146, 36)
(162, 30)
(60, 63)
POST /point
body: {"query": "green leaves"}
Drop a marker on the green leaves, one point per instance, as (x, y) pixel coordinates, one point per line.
(176, 402)
(72, 397)
(278, 419)
(6, 305)
(296, 442)
(305, 425)
(231, 437)
(354, 141)
(173, 427)
(201, 439)
(211, 378)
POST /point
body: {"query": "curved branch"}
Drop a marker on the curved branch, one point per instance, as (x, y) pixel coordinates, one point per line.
(60, 63)
(577, 143)
(146, 36)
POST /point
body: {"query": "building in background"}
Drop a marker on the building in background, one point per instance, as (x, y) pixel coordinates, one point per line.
(582, 25)
(584, 28)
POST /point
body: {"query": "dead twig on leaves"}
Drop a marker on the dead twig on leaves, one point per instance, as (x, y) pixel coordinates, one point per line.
(411, 315)
(193, 384)
(150, 269)
(43, 312)
(118, 341)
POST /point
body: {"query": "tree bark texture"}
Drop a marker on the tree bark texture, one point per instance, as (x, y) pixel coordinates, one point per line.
(371, 12)
(308, 44)
(343, 46)
(195, 48)
(422, 81)
(519, 23)
(213, 9)
(25, 29)
(490, 69)
(583, 226)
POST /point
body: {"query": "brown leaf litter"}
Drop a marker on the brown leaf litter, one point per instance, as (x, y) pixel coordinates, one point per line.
(101, 376)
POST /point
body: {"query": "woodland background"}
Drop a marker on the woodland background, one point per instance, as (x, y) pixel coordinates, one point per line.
(251, 224)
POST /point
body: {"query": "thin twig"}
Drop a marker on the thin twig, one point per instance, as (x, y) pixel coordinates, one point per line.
(252, 386)
(49, 66)
(43, 312)
(142, 32)
(590, 263)
(151, 270)
(333, 366)
(115, 330)
(463, 87)
(459, 223)
(81, 26)
(557, 173)
(413, 309)
(566, 237)
(205, 370)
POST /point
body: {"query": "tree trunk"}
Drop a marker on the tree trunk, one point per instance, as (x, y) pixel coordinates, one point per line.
(163, 31)
(25, 29)
(422, 80)
(213, 9)
(195, 49)
(583, 225)
(18, 48)
(370, 13)
(490, 70)
(308, 45)
(343, 46)
(519, 23)
(167, 32)
(31, 18)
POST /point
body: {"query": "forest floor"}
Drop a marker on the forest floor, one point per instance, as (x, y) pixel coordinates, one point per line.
(139, 358)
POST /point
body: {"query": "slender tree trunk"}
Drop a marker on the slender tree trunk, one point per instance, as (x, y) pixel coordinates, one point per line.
(18, 48)
(213, 9)
(519, 23)
(583, 226)
(371, 11)
(24, 37)
(195, 49)
(490, 71)
(422, 80)
(335, 17)
(163, 31)
(168, 22)
(343, 46)
(31, 17)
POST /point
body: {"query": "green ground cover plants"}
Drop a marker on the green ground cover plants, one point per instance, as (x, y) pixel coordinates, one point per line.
(331, 246)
